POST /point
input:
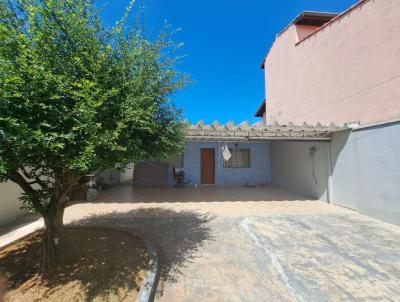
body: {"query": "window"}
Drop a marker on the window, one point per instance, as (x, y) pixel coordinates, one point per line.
(240, 159)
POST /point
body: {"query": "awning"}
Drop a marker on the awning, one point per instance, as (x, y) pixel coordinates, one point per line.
(261, 132)
(261, 110)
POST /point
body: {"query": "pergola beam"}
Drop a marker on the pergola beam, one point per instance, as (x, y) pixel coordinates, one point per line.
(261, 132)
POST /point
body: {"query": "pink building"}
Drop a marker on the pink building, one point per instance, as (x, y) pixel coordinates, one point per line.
(337, 68)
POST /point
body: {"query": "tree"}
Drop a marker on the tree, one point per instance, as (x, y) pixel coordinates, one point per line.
(75, 97)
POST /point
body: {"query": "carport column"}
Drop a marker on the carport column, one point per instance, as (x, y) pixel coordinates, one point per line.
(330, 187)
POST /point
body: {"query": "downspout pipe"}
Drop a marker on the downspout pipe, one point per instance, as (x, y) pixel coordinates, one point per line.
(329, 186)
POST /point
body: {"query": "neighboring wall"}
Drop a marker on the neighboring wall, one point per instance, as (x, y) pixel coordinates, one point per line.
(127, 174)
(347, 71)
(10, 192)
(294, 168)
(259, 172)
(9, 203)
(366, 171)
(110, 177)
(114, 177)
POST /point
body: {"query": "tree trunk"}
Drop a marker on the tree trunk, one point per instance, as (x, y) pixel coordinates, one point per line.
(53, 221)
(53, 216)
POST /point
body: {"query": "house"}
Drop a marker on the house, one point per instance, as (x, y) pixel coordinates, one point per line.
(334, 135)
(340, 68)
(337, 68)
(331, 128)
(251, 162)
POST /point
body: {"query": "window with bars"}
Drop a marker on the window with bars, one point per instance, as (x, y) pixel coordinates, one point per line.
(240, 159)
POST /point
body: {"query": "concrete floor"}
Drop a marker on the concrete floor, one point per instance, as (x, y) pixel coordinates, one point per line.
(262, 244)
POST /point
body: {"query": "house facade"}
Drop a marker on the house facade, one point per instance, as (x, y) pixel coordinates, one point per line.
(341, 68)
(250, 161)
(202, 164)
(248, 166)
(337, 68)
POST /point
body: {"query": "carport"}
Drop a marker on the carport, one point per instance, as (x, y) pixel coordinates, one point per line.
(296, 157)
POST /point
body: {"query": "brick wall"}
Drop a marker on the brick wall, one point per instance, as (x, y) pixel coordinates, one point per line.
(150, 174)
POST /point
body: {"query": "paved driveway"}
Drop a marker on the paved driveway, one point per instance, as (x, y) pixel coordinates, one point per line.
(264, 244)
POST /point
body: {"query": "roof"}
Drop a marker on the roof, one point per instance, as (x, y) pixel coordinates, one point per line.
(261, 110)
(261, 132)
(308, 16)
(336, 18)
(313, 18)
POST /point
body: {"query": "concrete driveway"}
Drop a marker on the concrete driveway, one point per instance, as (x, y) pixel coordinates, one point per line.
(263, 244)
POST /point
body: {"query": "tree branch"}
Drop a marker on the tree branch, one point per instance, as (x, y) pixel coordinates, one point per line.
(14, 176)
(63, 188)
(68, 189)
(36, 178)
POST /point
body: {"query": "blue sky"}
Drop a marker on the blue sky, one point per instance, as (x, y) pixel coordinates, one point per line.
(225, 43)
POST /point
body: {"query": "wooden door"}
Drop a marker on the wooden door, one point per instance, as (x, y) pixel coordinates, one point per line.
(207, 166)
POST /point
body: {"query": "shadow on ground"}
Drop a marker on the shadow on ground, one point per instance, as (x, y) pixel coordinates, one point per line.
(127, 194)
(94, 263)
(178, 235)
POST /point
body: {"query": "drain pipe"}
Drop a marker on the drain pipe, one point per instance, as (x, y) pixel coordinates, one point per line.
(329, 187)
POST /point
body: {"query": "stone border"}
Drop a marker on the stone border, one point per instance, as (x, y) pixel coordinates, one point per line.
(148, 290)
(20, 233)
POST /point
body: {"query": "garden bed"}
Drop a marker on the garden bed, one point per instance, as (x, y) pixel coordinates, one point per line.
(95, 265)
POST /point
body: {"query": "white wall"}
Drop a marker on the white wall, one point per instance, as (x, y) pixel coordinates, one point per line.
(366, 171)
(9, 203)
(114, 177)
(127, 174)
(292, 168)
(10, 192)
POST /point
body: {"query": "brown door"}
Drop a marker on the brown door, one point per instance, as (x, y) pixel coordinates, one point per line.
(207, 166)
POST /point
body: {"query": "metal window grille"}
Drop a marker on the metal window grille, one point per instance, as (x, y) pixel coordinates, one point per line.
(240, 159)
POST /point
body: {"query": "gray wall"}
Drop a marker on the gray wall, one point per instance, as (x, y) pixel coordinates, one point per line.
(9, 202)
(366, 171)
(292, 168)
(259, 172)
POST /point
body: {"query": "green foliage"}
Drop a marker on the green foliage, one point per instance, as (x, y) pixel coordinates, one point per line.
(76, 96)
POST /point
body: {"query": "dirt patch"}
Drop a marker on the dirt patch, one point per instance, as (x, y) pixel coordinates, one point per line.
(95, 265)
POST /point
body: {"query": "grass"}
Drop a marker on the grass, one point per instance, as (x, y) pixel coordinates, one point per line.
(95, 265)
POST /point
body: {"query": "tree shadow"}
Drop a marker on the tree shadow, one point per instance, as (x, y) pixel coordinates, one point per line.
(93, 263)
(212, 194)
(178, 235)
(108, 262)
